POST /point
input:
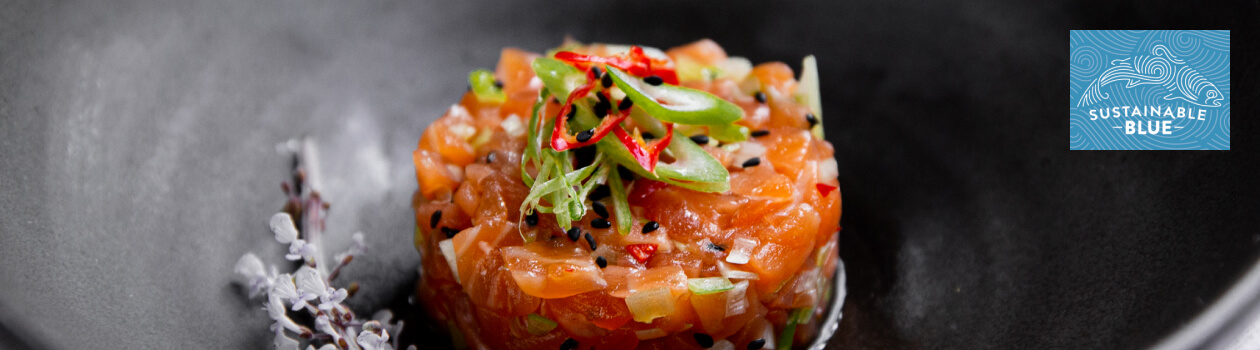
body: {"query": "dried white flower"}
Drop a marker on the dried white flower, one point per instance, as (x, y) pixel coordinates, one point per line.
(284, 288)
(283, 342)
(332, 298)
(253, 274)
(373, 337)
(309, 286)
(299, 249)
(282, 226)
(275, 310)
(323, 325)
(309, 280)
(305, 285)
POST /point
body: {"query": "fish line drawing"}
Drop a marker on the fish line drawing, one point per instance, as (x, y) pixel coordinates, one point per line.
(1162, 68)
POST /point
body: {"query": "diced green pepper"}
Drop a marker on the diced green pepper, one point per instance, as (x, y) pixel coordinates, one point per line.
(676, 104)
(559, 77)
(539, 325)
(484, 87)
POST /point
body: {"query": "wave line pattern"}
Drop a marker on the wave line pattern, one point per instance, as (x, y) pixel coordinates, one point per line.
(1173, 71)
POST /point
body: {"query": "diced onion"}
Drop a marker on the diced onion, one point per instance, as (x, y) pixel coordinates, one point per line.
(539, 325)
(808, 92)
(807, 288)
(767, 333)
(649, 304)
(650, 333)
(736, 300)
(722, 345)
(448, 251)
(828, 170)
(708, 285)
(736, 274)
(535, 83)
(736, 68)
(459, 112)
(513, 126)
(463, 131)
(741, 250)
(824, 253)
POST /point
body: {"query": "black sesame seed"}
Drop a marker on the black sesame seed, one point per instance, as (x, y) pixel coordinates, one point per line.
(590, 240)
(760, 96)
(600, 192)
(606, 81)
(574, 233)
(450, 232)
(625, 104)
(648, 136)
(585, 135)
(809, 117)
(760, 133)
(596, 70)
(498, 84)
(704, 340)
(653, 80)
(433, 220)
(600, 223)
(601, 109)
(650, 226)
(532, 219)
(752, 162)
(700, 139)
(757, 344)
(601, 262)
(572, 113)
(600, 209)
(602, 99)
(491, 157)
(569, 344)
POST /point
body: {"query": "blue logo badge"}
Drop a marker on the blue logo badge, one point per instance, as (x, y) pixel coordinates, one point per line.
(1149, 90)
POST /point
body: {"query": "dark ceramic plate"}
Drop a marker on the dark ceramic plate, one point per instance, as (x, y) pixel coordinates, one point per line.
(139, 161)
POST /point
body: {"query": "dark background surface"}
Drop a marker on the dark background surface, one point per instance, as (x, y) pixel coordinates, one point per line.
(139, 158)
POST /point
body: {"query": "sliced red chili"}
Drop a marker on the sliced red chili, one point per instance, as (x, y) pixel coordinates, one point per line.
(825, 189)
(560, 138)
(646, 155)
(641, 252)
(634, 62)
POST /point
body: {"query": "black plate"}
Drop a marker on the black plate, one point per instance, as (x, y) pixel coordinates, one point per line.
(139, 159)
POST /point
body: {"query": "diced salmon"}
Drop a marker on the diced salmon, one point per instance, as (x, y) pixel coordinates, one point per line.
(435, 180)
(588, 315)
(776, 75)
(762, 182)
(552, 269)
(787, 238)
(703, 51)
